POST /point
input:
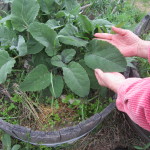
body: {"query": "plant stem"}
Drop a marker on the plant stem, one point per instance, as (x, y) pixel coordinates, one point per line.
(96, 111)
(113, 11)
(82, 111)
(16, 57)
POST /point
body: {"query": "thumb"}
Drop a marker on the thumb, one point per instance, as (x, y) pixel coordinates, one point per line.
(98, 73)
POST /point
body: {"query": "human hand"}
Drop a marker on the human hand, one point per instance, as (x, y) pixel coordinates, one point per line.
(127, 42)
(111, 80)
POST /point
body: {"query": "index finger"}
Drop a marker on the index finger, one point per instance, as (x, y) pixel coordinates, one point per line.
(106, 36)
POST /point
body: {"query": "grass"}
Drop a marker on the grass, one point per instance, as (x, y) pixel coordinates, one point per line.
(55, 114)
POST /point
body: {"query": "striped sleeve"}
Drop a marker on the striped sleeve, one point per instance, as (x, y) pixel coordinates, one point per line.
(134, 99)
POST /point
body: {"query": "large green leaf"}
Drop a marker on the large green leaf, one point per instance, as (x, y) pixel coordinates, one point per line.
(6, 36)
(23, 13)
(6, 141)
(16, 147)
(57, 86)
(45, 35)
(22, 46)
(39, 78)
(41, 58)
(93, 81)
(101, 22)
(53, 24)
(72, 6)
(57, 61)
(71, 40)
(67, 55)
(68, 30)
(6, 64)
(63, 13)
(34, 46)
(46, 5)
(104, 56)
(5, 19)
(77, 79)
(85, 24)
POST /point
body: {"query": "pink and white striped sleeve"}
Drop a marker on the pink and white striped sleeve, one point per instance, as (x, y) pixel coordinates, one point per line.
(134, 99)
(149, 55)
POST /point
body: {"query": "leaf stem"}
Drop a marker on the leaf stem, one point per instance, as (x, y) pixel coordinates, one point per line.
(16, 57)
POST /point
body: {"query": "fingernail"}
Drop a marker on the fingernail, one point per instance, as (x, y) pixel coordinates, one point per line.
(96, 72)
(95, 34)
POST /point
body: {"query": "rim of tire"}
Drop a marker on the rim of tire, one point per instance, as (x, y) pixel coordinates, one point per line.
(55, 138)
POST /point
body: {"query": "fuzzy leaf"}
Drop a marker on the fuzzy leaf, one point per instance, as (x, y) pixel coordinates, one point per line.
(67, 55)
(68, 30)
(101, 22)
(58, 85)
(71, 40)
(6, 36)
(5, 19)
(38, 79)
(22, 46)
(72, 6)
(93, 81)
(41, 58)
(16, 147)
(57, 61)
(6, 64)
(46, 36)
(46, 5)
(77, 79)
(104, 56)
(53, 24)
(62, 13)
(23, 13)
(34, 46)
(85, 24)
(6, 141)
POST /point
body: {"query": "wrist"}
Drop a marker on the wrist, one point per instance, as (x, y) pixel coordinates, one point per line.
(117, 85)
(143, 49)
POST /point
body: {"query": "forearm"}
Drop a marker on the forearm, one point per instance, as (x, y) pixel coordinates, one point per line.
(134, 99)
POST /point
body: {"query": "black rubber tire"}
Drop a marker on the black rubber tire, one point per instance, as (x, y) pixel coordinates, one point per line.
(144, 26)
(145, 135)
(55, 138)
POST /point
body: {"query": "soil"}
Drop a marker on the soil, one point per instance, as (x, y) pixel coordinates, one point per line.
(115, 132)
(143, 6)
(52, 119)
(46, 117)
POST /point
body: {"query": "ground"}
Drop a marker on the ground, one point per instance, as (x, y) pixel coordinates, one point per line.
(143, 6)
(115, 132)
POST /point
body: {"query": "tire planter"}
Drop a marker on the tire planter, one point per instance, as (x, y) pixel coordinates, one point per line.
(55, 138)
(71, 134)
